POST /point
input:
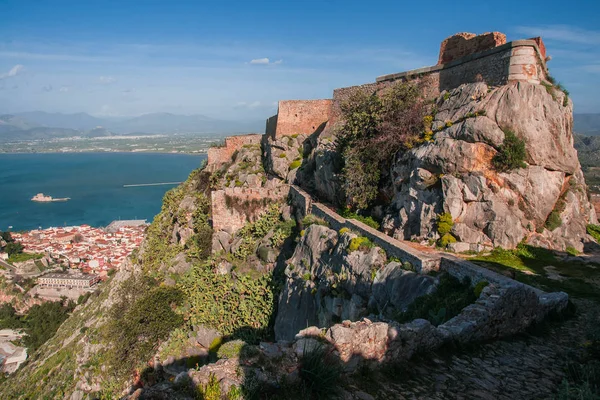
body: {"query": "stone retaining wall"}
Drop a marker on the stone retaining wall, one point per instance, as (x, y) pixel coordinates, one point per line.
(421, 261)
(229, 218)
(221, 155)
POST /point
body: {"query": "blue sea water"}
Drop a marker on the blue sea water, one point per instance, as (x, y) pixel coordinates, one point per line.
(93, 181)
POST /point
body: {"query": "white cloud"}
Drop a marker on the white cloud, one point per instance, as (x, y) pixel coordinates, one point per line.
(14, 71)
(107, 80)
(64, 89)
(47, 88)
(561, 33)
(265, 61)
(260, 61)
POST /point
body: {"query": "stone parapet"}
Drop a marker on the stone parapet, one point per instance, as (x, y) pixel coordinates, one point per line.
(223, 154)
(463, 44)
(492, 66)
(299, 117)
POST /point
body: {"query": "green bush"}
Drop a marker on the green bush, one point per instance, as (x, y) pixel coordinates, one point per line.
(232, 349)
(142, 317)
(20, 257)
(295, 164)
(43, 320)
(444, 223)
(553, 221)
(512, 153)
(360, 243)
(369, 221)
(320, 373)
(446, 240)
(572, 251)
(594, 231)
(343, 230)
(13, 249)
(225, 303)
(312, 219)
(376, 126)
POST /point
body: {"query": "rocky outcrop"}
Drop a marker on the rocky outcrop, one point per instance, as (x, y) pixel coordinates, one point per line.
(454, 173)
(327, 282)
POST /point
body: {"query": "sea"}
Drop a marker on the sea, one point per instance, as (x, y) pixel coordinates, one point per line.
(94, 182)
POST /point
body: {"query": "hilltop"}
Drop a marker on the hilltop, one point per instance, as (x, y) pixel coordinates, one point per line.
(42, 125)
(403, 239)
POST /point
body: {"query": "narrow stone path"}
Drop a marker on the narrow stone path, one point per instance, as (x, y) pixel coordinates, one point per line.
(525, 367)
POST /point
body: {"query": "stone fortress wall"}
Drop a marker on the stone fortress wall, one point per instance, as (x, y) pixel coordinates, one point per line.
(463, 58)
(228, 218)
(298, 117)
(222, 154)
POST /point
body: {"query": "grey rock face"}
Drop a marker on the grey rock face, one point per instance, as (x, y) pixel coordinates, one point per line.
(281, 152)
(455, 173)
(394, 289)
(327, 284)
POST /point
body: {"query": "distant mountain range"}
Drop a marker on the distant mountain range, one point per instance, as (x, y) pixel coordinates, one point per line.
(43, 125)
(586, 124)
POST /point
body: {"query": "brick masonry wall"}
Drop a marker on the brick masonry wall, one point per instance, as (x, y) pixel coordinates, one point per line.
(226, 218)
(464, 44)
(221, 155)
(301, 116)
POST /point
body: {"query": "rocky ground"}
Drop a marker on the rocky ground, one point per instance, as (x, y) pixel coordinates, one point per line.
(531, 366)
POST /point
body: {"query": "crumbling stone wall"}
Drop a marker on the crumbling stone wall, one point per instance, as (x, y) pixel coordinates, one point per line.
(463, 44)
(252, 203)
(223, 154)
(300, 117)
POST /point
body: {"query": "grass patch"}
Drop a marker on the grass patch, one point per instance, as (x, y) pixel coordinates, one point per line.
(528, 262)
(311, 219)
(594, 231)
(21, 257)
(511, 154)
(369, 221)
(360, 243)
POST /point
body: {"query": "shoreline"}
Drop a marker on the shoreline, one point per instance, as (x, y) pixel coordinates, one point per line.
(106, 152)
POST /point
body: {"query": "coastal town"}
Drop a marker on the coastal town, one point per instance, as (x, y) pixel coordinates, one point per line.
(88, 249)
(63, 263)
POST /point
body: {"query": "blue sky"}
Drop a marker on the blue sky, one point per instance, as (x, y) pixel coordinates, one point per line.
(235, 59)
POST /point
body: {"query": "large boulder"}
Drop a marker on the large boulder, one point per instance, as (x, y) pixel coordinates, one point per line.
(455, 173)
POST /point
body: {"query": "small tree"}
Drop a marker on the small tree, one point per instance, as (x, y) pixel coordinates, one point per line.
(13, 248)
(511, 154)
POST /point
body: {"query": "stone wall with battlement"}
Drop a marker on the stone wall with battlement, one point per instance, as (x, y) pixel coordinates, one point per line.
(463, 44)
(520, 60)
(464, 58)
(221, 155)
(299, 117)
(232, 208)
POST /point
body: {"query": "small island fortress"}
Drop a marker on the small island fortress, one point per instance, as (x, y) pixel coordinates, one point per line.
(42, 198)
